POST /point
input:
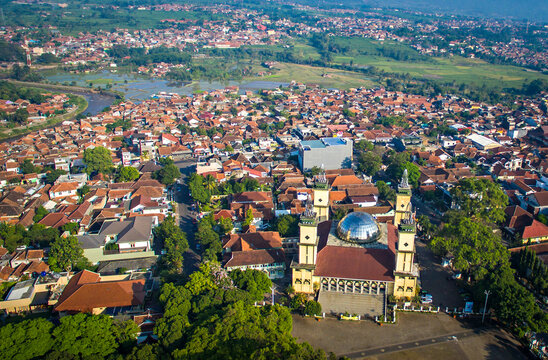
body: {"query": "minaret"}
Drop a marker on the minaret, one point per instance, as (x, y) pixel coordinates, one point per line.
(321, 197)
(406, 273)
(403, 199)
(303, 271)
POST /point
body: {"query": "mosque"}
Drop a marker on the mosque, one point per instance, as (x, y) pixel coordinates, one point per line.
(355, 264)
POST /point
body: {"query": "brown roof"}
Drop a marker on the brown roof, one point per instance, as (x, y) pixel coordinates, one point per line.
(255, 257)
(85, 292)
(254, 240)
(355, 262)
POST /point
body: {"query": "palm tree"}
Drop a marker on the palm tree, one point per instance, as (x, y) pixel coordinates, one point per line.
(210, 183)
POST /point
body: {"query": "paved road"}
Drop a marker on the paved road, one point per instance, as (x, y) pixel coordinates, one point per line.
(424, 209)
(413, 344)
(191, 258)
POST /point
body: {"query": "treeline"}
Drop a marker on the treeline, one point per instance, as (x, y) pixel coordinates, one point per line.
(530, 267)
(9, 91)
(11, 52)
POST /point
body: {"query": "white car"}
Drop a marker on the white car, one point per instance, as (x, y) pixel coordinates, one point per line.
(426, 299)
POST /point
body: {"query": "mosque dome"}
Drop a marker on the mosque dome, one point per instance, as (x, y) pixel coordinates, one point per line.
(358, 227)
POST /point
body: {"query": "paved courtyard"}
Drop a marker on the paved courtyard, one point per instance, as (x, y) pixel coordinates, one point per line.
(415, 336)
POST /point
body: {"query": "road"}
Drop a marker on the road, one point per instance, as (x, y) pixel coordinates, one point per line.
(184, 201)
(413, 344)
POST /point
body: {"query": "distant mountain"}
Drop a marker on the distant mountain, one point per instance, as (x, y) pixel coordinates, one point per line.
(532, 10)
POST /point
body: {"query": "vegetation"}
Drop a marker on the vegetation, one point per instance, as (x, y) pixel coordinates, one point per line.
(480, 199)
(77, 336)
(127, 173)
(210, 316)
(66, 254)
(13, 236)
(287, 225)
(171, 238)
(98, 160)
(482, 258)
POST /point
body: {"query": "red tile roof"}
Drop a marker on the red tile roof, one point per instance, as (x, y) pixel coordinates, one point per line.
(355, 262)
(85, 292)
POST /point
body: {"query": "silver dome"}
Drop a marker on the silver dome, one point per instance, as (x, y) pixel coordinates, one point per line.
(358, 227)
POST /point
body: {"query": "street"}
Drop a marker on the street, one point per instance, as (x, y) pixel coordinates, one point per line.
(184, 215)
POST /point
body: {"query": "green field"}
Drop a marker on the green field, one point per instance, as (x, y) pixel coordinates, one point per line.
(367, 52)
(325, 77)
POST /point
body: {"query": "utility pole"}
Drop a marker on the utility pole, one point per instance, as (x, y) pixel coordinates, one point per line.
(487, 293)
(272, 288)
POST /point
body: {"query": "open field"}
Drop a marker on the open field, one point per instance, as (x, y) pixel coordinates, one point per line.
(367, 52)
(325, 77)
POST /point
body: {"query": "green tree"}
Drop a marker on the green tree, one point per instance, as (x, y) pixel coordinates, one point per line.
(127, 173)
(287, 225)
(476, 249)
(480, 199)
(98, 160)
(65, 253)
(71, 227)
(27, 167)
(168, 174)
(198, 190)
(88, 336)
(225, 225)
(28, 339)
(54, 175)
(312, 308)
(369, 163)
(255, 282)
(39, 214)
(174, 241)
(385, 191)
(248, 217)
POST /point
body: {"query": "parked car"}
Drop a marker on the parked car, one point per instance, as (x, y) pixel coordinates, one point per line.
(426, 300)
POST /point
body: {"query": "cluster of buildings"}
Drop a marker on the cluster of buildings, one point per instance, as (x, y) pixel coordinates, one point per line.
(36, 112)
(352, 247)
(238, 27)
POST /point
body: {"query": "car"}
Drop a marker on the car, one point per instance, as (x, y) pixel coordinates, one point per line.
(426, 300)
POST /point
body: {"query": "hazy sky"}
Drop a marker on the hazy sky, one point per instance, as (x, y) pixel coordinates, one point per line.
(534, 10)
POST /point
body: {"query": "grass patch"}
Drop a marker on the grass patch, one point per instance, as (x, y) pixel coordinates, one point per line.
(325, 77)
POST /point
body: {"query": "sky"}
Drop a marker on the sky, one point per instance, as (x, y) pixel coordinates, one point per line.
(532, 10)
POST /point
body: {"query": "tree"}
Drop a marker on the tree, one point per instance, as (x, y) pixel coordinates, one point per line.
(385, 191)
(396, 168)
(27, 167)
(480, 199)
(174, 241)
(369, 163)
(71, 227)
(225, 225)
(255, 282)
(87, 336)
(248, 217)
(65, 253)
(197, 189)
(39, 214)
(98, 160)
(28, 339)
(53, 175)
(127, 173)
(312, 308)
(476, 249)
(168, 174)
(287, 225)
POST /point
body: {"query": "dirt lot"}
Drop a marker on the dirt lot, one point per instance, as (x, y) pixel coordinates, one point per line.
(415, 336)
